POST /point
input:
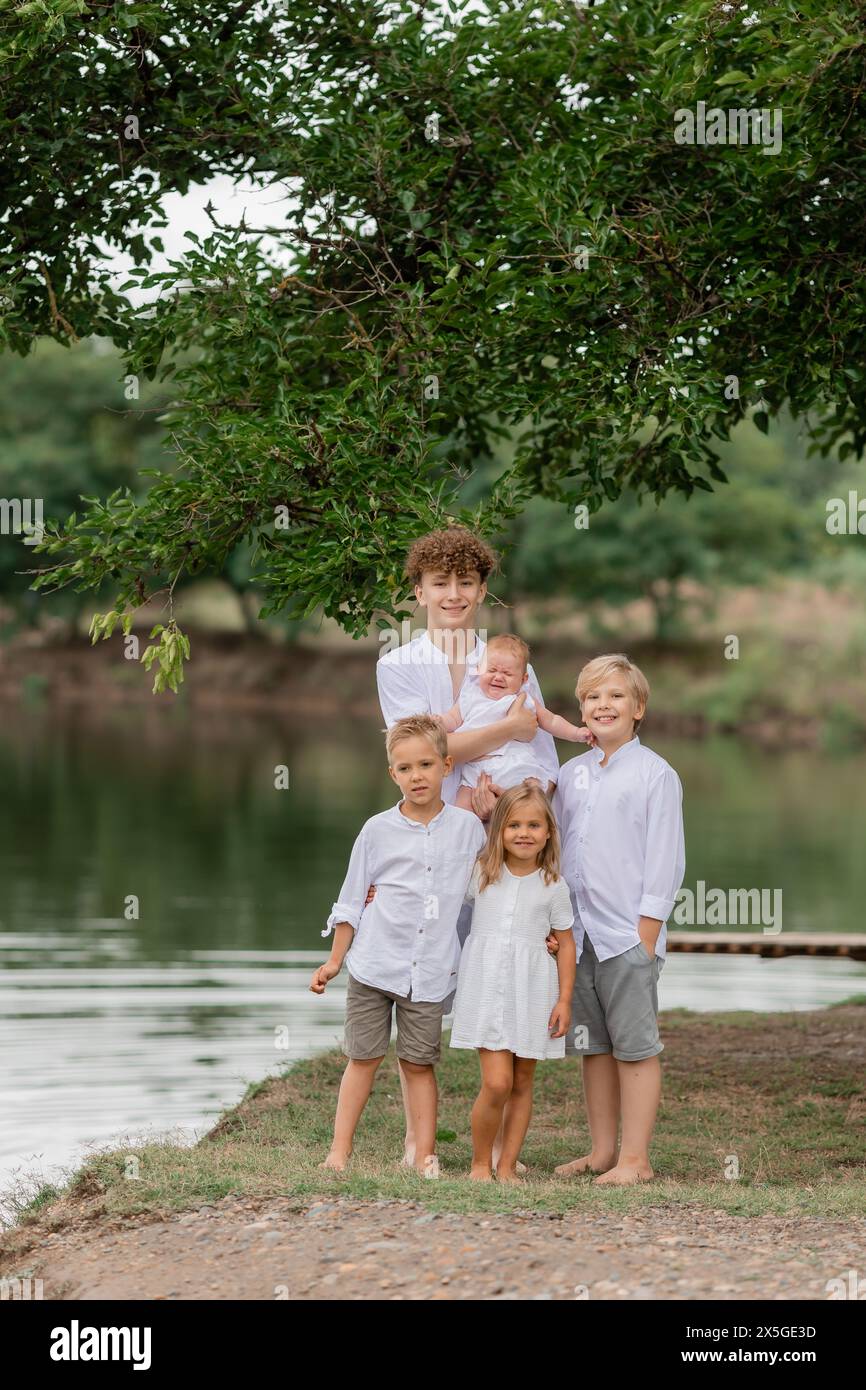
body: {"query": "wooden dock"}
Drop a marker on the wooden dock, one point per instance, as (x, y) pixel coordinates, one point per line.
(851, 945)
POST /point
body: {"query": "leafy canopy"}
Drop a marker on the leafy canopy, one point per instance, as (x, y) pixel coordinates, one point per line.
(483, 226)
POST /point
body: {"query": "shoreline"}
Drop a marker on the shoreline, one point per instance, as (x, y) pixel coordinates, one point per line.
(238, 673)
(779, 1092)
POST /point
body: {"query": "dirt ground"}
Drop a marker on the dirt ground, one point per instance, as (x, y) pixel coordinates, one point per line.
(241, 1248)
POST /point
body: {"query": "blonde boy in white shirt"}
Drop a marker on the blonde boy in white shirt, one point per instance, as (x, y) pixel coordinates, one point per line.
(619, 810)
(401, 948)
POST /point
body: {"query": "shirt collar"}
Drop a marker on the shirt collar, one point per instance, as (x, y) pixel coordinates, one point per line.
(417, 824)
(436, 653)
(618, 756)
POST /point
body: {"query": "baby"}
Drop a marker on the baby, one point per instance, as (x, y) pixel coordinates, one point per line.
(502, 673)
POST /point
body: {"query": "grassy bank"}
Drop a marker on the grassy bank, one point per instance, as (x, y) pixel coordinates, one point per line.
(781, 1092)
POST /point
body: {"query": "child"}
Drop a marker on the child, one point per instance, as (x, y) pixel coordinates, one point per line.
(404, 945)
(448, 571)
(513, 1003)
(502, 675)
(619, 809)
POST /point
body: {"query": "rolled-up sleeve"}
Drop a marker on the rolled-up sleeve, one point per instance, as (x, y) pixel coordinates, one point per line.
(665, 859)
(353, 894)
(543, 744)
(400, 691)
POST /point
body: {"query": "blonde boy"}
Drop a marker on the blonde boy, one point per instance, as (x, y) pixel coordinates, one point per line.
(401, 949)
(619, 810)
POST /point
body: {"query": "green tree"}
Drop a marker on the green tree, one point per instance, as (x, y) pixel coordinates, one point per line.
(488, 224)
(751, 530)
(71, 426)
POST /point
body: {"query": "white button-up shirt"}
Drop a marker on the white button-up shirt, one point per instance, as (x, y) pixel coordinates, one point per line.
(416, 679)
(623, 847)
(406, 939)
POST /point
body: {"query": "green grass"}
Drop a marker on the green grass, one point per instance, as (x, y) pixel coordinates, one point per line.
(782, 1092)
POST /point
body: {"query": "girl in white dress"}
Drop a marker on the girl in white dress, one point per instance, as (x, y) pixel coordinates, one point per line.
(513, 1003)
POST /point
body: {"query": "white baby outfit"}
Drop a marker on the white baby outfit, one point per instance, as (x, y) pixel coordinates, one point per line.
(513, 761)
(508, 983)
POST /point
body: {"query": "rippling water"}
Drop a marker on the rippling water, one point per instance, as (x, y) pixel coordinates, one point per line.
(112, 1029)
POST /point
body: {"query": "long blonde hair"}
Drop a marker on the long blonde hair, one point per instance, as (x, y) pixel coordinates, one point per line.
(492, 857)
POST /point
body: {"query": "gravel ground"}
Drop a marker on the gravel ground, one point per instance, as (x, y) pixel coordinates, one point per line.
(243, 1248)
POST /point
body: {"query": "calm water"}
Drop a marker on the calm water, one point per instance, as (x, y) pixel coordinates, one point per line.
(113, 1029)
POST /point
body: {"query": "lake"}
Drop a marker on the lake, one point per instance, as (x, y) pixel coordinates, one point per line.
(116, 1027)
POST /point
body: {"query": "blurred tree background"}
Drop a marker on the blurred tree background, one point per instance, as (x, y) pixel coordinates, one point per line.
(488, 194)
(753, 558)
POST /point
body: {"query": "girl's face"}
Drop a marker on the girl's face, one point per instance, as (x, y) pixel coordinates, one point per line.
(525, 833)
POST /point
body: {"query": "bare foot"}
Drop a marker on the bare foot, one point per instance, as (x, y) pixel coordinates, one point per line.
(508, 1175)
(589, 1163)
(518, 1167)
(430, 1167)
(408, 1159)
(479, 1172)
(336, 1161)
(625, 1174)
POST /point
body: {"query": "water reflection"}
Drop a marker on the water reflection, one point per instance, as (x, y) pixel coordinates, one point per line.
(113, 1027)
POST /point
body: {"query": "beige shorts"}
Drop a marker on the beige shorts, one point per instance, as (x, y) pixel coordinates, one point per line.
(368, 1025)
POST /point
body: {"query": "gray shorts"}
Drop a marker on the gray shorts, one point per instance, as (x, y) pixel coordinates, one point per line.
(368, 1025)
(616, 1004)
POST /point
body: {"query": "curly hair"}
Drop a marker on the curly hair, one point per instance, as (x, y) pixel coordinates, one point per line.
(450, 550)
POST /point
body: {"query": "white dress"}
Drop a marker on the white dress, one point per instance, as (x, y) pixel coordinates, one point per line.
(507, 983)
(509, 764)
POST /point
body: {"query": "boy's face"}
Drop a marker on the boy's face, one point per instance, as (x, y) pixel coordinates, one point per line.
(418, 770)
(451, 599)
(500, 673)
(525, 832)
(609, 711)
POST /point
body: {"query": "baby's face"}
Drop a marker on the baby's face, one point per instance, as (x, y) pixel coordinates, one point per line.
(500, 673)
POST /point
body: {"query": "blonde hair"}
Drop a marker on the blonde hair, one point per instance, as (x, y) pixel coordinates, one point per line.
(595, 671)
(416, 726)
(517, 645)
(492, 857)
